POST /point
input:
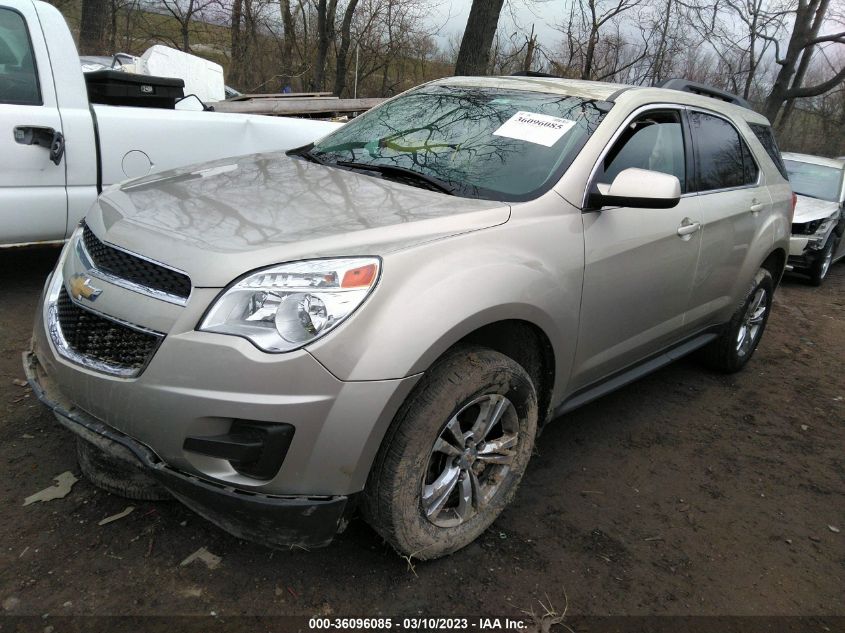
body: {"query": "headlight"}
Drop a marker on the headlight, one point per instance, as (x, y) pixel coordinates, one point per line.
(286, 307)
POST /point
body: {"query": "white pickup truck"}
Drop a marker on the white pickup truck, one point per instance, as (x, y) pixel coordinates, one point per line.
(58, 150)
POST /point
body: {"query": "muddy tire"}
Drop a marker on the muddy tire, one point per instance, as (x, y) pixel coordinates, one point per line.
(736, 345)
(116, 476)
(454, 455)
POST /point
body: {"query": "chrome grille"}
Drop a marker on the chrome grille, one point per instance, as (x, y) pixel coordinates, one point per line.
(133, 269)
(107, 342)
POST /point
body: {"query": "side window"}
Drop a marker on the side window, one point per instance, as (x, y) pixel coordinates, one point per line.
(722, 157)
(750, 168)
(18, 79)
(767, 140)
(653, 141)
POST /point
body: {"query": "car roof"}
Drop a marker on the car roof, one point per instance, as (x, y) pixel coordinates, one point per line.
(838, 163)
(633, 96)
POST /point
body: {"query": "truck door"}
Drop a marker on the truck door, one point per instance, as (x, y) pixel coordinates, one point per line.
(33, 196)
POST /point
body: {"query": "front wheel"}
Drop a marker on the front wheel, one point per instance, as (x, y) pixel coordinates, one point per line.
(454, 455)
(818, 271)
(733, 349)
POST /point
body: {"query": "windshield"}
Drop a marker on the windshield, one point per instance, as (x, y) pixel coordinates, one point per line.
(486, 143)
(816, 181)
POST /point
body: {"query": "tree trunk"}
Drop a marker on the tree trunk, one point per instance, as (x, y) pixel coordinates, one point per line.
(803, 65)
(326, 10)
(808, 18)
(343, 51)
(290, 35)
(529, 54)
(186, 35)
(474, 54)
(587, 70)
(92, 25)
(235, 67)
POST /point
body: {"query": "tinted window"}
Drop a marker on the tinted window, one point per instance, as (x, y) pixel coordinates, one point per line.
(767, 140)
(18, 81)
(750, 168)
(480, 142)
(722, 158)
(653, 141)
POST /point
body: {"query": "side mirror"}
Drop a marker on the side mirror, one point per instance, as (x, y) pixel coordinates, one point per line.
(639, 188)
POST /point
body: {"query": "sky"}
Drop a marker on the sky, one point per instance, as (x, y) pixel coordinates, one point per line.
(517, 14)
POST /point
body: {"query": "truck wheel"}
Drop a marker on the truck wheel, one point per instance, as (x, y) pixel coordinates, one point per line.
(116, 476)
(454, 455)
(818, 271)
(732, 350)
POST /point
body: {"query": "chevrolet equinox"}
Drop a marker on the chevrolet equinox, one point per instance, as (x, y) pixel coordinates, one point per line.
(383, 320)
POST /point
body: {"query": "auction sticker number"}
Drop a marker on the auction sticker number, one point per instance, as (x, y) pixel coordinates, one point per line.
(541, 129)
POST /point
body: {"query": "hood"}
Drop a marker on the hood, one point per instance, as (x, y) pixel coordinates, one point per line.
(808, 209)
(219, 220)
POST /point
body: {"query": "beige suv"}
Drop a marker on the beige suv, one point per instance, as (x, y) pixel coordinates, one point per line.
(383, 320)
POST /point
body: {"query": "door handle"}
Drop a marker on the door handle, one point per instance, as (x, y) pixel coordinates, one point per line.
(756, 207)
(688, 227)
(43, 137)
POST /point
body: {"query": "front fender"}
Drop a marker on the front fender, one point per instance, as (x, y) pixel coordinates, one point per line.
(430, 297)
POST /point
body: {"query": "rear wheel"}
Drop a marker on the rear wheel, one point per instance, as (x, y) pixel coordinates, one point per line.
(454, 455)
(733, 349)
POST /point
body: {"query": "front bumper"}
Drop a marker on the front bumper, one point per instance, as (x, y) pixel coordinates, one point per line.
(271, 520)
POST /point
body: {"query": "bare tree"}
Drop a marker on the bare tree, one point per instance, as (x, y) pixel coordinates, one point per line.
(805, 37)
(185, 12)
(92, 26)
(326, 10)
(343, 51)
(474, 54)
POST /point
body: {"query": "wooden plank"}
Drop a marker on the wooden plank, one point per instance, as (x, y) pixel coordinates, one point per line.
(285, 107)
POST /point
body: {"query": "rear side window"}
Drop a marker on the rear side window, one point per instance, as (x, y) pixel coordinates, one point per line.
(767, 140)
(18, 80)
(722, 158)
(653, 141)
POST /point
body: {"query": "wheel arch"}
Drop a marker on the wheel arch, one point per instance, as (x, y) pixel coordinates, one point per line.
(527, 344)
(775, 263)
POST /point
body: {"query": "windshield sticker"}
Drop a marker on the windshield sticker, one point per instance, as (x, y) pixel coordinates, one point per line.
(541, 129)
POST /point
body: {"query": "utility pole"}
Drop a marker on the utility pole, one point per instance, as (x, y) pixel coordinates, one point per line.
(355, 88)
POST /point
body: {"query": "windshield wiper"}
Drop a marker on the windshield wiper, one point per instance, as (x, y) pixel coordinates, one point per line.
(401, 172)
(305, 152)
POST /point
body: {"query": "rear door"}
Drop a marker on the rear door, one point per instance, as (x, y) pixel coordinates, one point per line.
(33, 198)
(639, 263)
(734, 205)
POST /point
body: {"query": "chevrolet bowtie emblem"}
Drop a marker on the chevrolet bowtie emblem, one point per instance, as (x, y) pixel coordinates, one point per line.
(80, 288)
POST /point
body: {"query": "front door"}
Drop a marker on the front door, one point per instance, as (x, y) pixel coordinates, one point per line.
(33, 197)
(639, 263)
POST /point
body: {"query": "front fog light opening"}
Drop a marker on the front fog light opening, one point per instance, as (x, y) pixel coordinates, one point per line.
(254, 449)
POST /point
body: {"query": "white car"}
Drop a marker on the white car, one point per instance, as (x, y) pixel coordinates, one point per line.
(818, 225)
(58, 150)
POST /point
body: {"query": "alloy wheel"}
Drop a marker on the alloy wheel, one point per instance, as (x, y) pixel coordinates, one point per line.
(469, 461)
(752, 322)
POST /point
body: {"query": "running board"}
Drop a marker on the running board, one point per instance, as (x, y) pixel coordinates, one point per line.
(627, 376)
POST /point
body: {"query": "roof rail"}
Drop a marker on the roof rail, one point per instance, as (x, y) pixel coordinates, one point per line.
(534, 73)
(684, 85)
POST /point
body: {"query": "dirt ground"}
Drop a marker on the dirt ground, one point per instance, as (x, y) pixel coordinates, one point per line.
(687, 493)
